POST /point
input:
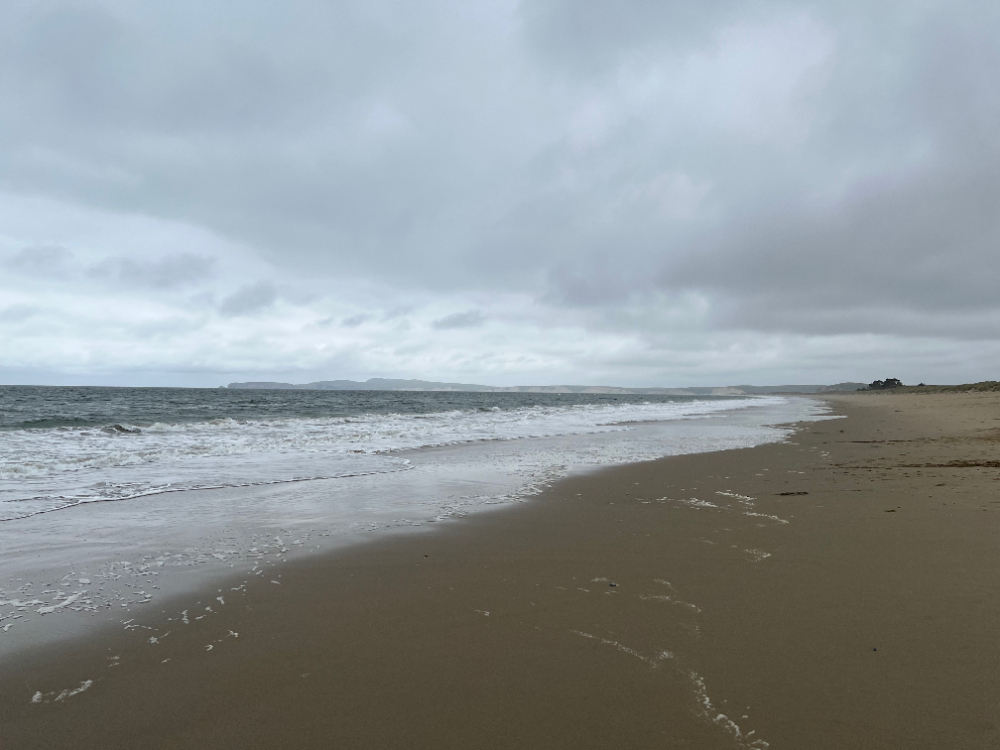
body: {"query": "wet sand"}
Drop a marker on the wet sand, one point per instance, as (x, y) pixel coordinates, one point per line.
(840, 590)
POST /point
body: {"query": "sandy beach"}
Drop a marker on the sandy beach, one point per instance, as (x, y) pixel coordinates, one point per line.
(838, 590)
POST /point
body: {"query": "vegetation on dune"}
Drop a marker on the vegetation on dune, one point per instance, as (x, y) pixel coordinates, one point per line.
(881, 385)
(892, 385)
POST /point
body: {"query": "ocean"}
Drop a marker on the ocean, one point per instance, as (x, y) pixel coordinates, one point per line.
(137, 490)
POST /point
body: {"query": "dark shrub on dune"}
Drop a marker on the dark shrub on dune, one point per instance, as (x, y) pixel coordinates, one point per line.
(881, 385)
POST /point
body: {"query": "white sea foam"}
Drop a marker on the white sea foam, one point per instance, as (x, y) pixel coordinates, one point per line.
(46, 452)
(696, 503)
(57, 696)
(664, 598)
(744, 499)
(708, 711)
(50, 469)
(652, 661)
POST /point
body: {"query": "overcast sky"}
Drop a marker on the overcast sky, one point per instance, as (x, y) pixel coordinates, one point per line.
(655, 192)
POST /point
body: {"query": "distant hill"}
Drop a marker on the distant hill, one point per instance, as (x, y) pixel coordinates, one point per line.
(798, 388)
(372, 384)
(391, 384)
(841, 387)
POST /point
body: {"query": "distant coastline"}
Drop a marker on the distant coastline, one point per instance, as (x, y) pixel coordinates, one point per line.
(391, 384)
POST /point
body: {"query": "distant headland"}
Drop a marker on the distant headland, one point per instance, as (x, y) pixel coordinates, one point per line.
(391, 384)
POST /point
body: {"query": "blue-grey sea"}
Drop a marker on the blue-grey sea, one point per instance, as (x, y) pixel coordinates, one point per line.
(39, 407)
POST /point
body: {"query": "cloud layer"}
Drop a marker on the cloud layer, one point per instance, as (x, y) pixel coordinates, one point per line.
(651, 193)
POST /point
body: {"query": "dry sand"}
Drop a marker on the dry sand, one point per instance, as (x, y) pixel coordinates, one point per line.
(841, 590)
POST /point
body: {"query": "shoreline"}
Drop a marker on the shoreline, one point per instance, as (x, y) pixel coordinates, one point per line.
(497, 630)
(66, 573)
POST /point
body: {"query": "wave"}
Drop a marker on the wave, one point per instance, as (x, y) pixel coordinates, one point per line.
(13, 508)
(57, 467)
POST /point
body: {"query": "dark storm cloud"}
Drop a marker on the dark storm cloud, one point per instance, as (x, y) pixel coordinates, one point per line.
(644, 168)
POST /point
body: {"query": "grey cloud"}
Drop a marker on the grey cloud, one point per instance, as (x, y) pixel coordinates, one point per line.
(39, 261)
(159, 273)
(910, 247)
(315, 134)
(467, 319)
(205, 70)
(249, 299)
(928, 246)
(396, 312)
(590, 36)
(162, 273)
(18, 313)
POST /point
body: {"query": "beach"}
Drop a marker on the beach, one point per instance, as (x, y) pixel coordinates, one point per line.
(836, 590)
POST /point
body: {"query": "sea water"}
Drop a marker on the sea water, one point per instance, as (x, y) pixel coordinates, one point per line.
(111, 497)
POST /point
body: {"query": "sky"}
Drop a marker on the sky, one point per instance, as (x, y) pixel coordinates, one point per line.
(646, 193)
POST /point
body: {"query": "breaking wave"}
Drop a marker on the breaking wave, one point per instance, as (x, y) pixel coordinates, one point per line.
(46, 469)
